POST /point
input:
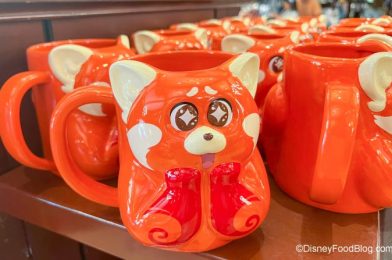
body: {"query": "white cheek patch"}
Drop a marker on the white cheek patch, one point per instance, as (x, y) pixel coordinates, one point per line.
(261, 76)
(384, 122)
(251, 126)
(210, 90)
(141, 138)
(192, 92)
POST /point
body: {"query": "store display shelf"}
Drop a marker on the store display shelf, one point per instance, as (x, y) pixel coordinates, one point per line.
(45, 200)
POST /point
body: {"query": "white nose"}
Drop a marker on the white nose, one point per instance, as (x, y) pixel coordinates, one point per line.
(204, 140)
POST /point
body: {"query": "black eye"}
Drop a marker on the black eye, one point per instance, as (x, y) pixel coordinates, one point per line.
(184, 116)
(276, 64)
(219, 112)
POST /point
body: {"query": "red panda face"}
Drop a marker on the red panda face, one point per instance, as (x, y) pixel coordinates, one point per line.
(195, 119)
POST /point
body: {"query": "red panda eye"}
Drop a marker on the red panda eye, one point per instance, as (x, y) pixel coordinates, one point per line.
(219, 112)
(276, 64)
(184, 116)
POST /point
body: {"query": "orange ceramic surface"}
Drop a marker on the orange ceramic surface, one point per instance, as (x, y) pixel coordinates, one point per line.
(55, 69)
(185, 182)
(270, 49)
(327, 131)
(235, 24)
(170, 40)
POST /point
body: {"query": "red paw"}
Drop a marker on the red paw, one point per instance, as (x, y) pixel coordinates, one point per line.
(176, 215)
(235, 210)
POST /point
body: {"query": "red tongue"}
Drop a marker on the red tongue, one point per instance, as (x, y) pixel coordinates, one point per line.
(207, 160)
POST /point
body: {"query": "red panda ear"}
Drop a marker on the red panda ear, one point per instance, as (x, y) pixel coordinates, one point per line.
(375, 78)
(128, 78)
(124, 40)
(385, 39)
(65, 62)
(237, 43)
(246, 68)
(145, 40)
(202, 36)
(186, 27)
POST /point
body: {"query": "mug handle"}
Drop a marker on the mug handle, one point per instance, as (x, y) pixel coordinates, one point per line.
(68, 169)
(11, 97)
(336, 143)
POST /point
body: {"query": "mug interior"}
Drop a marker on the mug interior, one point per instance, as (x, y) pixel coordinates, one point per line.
(266, 36)
(339, 51)
(90, 43)
(184, 60)
(174, 32)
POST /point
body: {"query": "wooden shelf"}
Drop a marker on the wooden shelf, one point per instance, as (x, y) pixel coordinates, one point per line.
(44, 200)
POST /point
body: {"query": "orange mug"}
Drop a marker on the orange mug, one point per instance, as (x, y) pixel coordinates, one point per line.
(170, 40)
(270, 49)
(184, 183)
(327, 129)
(57, 68)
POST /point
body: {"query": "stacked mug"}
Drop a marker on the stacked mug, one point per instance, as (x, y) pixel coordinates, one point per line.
(180, 120)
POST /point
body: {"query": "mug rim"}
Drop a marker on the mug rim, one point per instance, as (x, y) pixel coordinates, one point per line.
(296, 51)
(195, 53)
(48, 46)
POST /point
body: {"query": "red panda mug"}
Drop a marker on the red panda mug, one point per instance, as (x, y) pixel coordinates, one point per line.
(185, 182)
(57, 68)
(327, 128)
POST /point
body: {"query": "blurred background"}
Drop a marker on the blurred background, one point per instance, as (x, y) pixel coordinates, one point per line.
(333, 9)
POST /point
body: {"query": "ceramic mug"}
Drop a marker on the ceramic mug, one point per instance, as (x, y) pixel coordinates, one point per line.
(270, 49)
(184, 183)
(170, 40)
(55, 69)
(214, 28)
(327, 129)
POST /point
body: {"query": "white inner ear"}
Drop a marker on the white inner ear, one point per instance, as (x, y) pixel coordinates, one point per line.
(261, 29)
(246, 68)
(375, 76)
(65, 62)
(305, 27)
(124, 40)
(145, 41)
(381, 21)
(128, 78)
(369, 27)
(294, 37)
(237, 43)
(384, 122)
(187, 27)
(376, 37)
(201, 35)
(141, 138)
(276, 22)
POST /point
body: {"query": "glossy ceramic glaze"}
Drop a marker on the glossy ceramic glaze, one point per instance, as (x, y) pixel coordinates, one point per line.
(327, 126)
(170, 40)
(235, 24)
(269, 48)
(184, 182)
(58, 68)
